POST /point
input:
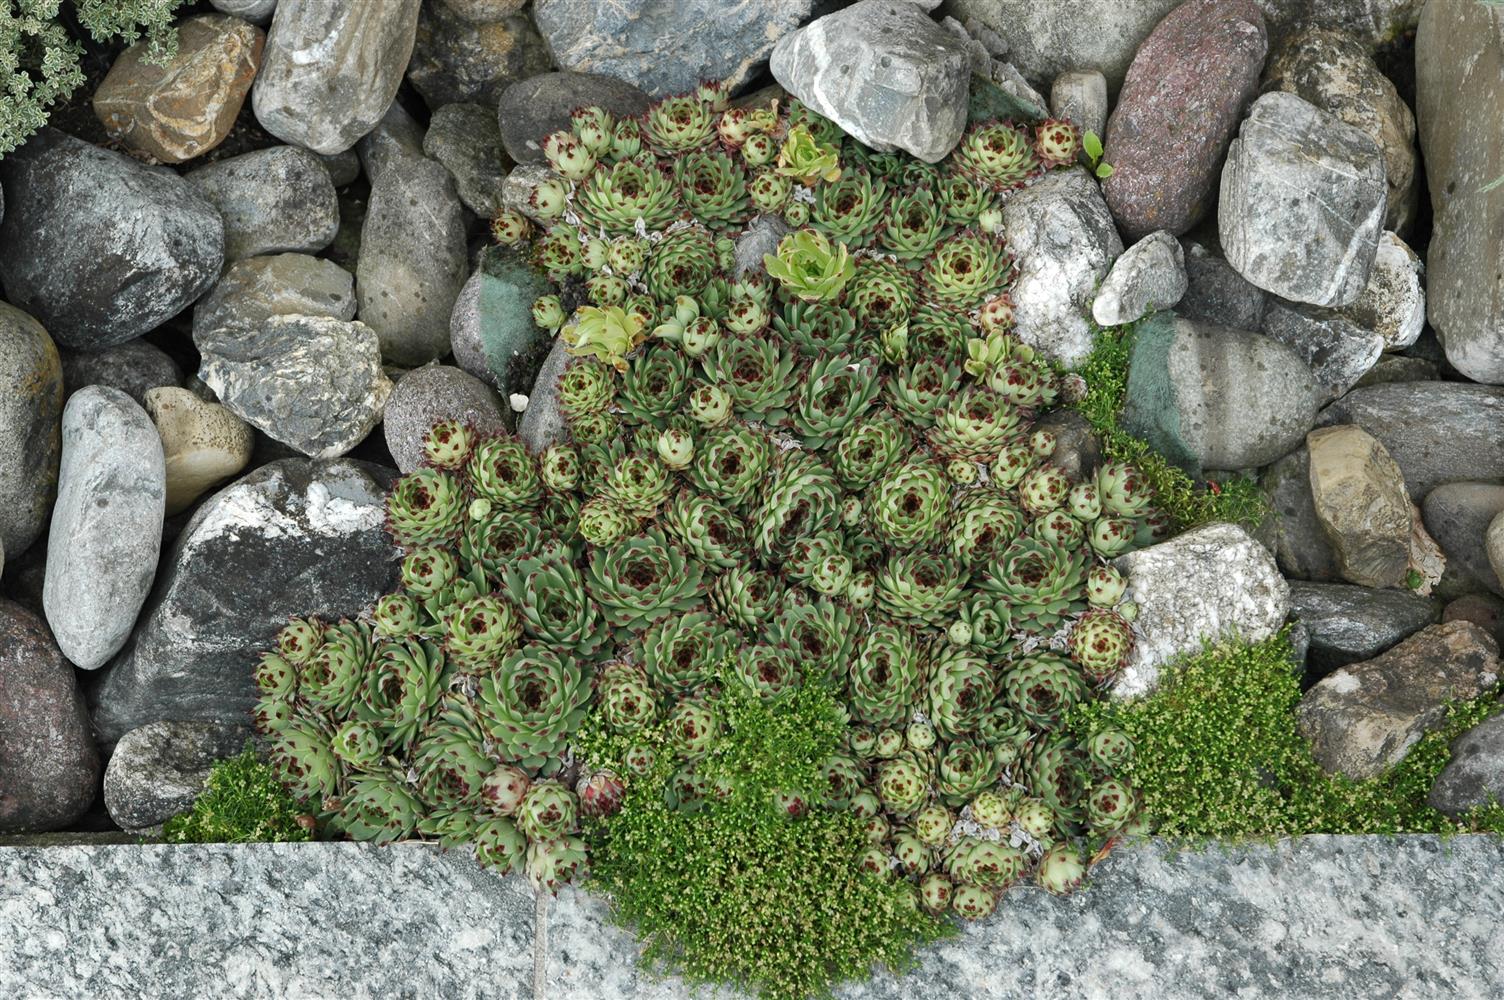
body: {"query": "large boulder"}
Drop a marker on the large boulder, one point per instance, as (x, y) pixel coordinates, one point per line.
(1339, 351)
(293, 538)
(530, 110)
(273, 201)
(466, 139)
(158, 770)
(398, 136)
(1349, 624)
(31, 407)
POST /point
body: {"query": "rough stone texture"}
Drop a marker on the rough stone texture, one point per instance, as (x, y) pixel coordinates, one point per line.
(330, 69)
(99, 248)
(106, 532)
(1300, 542)
(467, 141)
(1475, 774)
(311, 382)
(1494, 541)
(1349, 624)
(1338, 351)
(187, 107)
(457, 59)
(1181, 100)
(517, 189)
(257, 11)
(492, 325)
(203, 443)
(1216, 292)
(272, 200)
(1459, 71)
(1205, 584)
(1458, 516)
(667, 46)
(1399, 368)
(1438, 432)
(31, 408)
(132, 367)
(426, 395)
(291, 538)
(158, 770)
(1080, 96)
(1484, 610)
(1212, 397)
(885, 73)
(1393, 303)
(485, 10)
(413, 261)
(542, 424)
(1302, 202)
(1334, 71)
(1063, 242)
(1365, 717)
(398, 136)
(343, 166)
(529, 110)
(1078, 450)
(258, 288)
(1149, 276)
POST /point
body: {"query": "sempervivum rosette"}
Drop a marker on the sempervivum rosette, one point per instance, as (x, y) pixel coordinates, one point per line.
(426, 506)
(758, 372)
(837, 390)
(531, 702)
(730, 463)
(914, 224)
(998, 154)
(714, 188)
(682, 652)
(961, 690)
(887, 676)
(909, 504)
(801, 498)
(851, 209)
(1101, 642)
(616, 198)
(964, 270)
(1042, 687)
(1042, 582)
(641, 579)
(819, 632)
(816, 328)
(920, 586)
(868, 446)
(550, 592)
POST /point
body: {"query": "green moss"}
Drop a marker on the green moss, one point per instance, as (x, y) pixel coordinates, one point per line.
(242, 803)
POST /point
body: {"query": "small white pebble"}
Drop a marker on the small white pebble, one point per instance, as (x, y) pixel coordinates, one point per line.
(518, 402)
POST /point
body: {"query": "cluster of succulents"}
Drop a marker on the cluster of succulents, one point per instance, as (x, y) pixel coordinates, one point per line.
(823, 470)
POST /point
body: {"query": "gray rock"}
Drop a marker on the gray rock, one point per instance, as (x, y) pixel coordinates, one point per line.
(1484, 610)
(426, 395)
(272, 200)
(529, 110)
(343, 166)
(255, 11)
(99, 248)
(459, 59)
(1149, 276)
(1438, 432)
(1338, 351)
(1399, 368)
(1063, 242)
(884, 72)
(203, 443)
(291, 538)
(158, 770)
(1080, 96)
(1364, 718)
(258, 288)
(330, 70)
(1359, 496)
(1211, 397)
(1216, 292)
(1078, 450)
(1393, 303)
(492, 328)
(667, 46)
(311, 382)
(517, 189)
(466, 139)
(1303, 202)
(1459, 83)
(1300, 543)
(49, 766)
(31, 408)
(761, 239)
(106, 533)
(1209, 583)
(396, 137)
(413, 261)
(1349, 624)
(1494, 541)
(1474, 776)
(485, 10)
(542, 423)
(132, 367)
(1458, 516)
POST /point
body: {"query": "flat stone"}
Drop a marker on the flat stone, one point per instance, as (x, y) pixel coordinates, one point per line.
(1458, 516)
(492, 329)
(292, 538)
(187, 107)
(31, 408)
(1063, 243)
(49, 767)
(885, 72)
(1484, 610)
(257, 288)
(132, 367)
(1338, 350)
(1364, 718)
(273, 201)
(1302, 202)
(1459, 87)
(467, 141)
(158, 770)
(398, 136)
(1149, 276)
(426, 395)
(1216, 292)
(1350, 624)
(1080, 96)
(310, 382)
(1300, 543)
(542, 424)
(459, 59)
(203, 443)
(330, 70)
(99, 248)
(106, 533)
(413, 261)
(1209, 583)
(530, 110)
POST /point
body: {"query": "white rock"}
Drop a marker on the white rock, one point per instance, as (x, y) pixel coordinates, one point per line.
(1149, 276)
(1393, 303)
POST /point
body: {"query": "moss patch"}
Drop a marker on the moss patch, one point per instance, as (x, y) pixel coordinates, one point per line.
(242, 803)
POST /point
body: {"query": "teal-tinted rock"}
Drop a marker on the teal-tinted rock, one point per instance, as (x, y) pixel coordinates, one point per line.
(492, 329)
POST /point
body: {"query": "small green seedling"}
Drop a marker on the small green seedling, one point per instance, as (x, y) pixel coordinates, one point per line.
(1091, 143)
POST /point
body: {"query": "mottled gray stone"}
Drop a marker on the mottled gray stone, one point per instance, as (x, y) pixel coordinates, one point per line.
(159, 769)
(311, 382)
(257, 288)
(1338, 351)
(343, 166)
(1149, 276)
(31, 408)
(291, 538)
(99, 248)
(331, 69)
(1494, 541)
(1459, 77)
(413, 261)
(132, 367)
(1216, 292)
(1458, 515)
(106, 533)
(1475, 774)
(1063, 241)
(1484, 610)
(1078, 449)
(883, 71)
(542, 423)
(204, 443)
(1080, 96)
(517, 189)
(257, 11)
(1208, 583)
(1349, 624)
(1300, 542)
(530, 110)
(485, 10)
(761, 239)
(1365, 717)
(426, 395)
(459, 59)
(397, 136)
(1302, 203)
(272, 200)
(492, 328)
(1399, 368)
(1393, 303)
(467, 141)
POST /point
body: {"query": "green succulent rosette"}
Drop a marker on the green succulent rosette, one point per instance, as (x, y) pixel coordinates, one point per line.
(809, 266)
(425, 507)
(887, 676)
(678, 125)
(730, 463)
(682, 652)
(642, 578)
(1042, 582)
(800, 498)
(1042, 687)
(617, 198)
(837, 390)
(531, 702)
(757, 371)
(816, 328)
(849, 210)
(920, 586)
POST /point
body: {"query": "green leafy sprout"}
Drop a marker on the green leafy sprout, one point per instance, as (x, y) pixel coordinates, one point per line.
(1091, 145)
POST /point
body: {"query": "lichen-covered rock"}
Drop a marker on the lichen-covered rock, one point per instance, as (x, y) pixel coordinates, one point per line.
(258, 288)
(1300, 543)
(1149, 276)
(31, 408)
(426, 395)
(1209, 583)
(291, 538)
(885, 72)
(106, 533)
(159, 769)
(1349, 624)
(187, 107)
(132, 367)
(458, 59)
(1338, 350)
(1458, 516)
(467, 141)
(1302, 202)
(1474, 775)
(530, 110)
(203, 443)
(330, 70)
(1365, 717)
(1080, 96)
(1063, 242)
(272, 200)
(99, 248)
(542, 423)
(492, 329)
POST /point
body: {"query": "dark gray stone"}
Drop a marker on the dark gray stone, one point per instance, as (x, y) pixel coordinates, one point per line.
(1300, 543)
(1399, 368)
(287, 284)
(426, 395)
(397, 136)
(492, 329)
(1216, 292)
(1349, 624)
(458, 59)
(1475, 774)
(529, 110)
(343, 167)
(132, 367)
(158, 770)
(99, 248)
(1458, 515)
(31, 409)
(466, 139)
(1338, 351)
(272, 200)
(292, 538)
(542, 424)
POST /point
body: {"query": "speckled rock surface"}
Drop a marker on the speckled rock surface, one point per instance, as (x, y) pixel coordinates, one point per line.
(531, 109)
(398, 136)
(31, 409)
(1339, 351)
(466, 139)
(1458, 516)
(272, 200)
(134, 367)
(1475, 774)
(1216, 292)
(492, 328)
(1080, 96)
(283, 284)
(158, 770)
(203, 443)
(542, 424)
(1150, 275)
(1360, 500)
(457, 59)
(1300, 543)
(1350, 624)
(426, 395)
